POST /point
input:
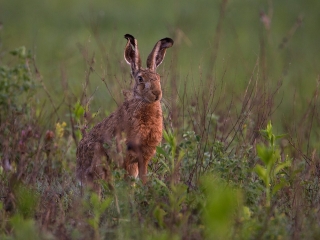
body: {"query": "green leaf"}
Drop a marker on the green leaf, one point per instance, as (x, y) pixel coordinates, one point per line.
(159, 213)
(166, 136)
(78, 110)
(269, 127)
(169, 137)
(265, 154)
(281, 166)
(105, 204)
(221, 204)
(165, 165)
(161, 183)
(262, 173)
(23, 228)
(162, 152)
(246, 213)
(94, 200)
(281, 136)
(182, 153)
(279, 186)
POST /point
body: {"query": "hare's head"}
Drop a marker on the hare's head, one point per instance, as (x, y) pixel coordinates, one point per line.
(147, 85)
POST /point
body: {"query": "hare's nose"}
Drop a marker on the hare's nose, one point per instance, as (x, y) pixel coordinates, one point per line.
(156, 93)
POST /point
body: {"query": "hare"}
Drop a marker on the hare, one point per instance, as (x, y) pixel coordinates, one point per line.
(138, 122)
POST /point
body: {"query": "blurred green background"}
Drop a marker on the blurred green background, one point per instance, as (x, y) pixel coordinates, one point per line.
(282, 36)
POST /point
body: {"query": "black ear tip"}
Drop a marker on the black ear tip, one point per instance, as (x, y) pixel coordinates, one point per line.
(129, 36)
(169, 42)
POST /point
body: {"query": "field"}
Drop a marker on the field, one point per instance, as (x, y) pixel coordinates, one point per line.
(240, 152)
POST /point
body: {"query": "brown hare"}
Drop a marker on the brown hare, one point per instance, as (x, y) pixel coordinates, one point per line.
(138, 122)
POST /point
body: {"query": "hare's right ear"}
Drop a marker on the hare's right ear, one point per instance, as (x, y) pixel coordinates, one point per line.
(156, 56)
(131, 53)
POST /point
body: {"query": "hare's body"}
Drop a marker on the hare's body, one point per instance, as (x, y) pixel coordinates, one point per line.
(141, 124)
(138, 121)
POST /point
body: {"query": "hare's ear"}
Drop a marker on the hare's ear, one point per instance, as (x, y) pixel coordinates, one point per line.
(131, 53)
(156, 56)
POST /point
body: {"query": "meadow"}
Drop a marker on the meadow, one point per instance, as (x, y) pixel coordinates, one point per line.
(240, 152)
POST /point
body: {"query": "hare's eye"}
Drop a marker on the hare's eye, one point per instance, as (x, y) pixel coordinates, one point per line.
(140, 79)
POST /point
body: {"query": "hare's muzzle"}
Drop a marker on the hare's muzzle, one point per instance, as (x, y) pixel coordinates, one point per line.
(157, 94)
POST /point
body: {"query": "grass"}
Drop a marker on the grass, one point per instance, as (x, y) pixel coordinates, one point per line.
(232, 86)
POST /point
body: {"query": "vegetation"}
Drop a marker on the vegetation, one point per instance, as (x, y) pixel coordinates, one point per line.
(239, 157)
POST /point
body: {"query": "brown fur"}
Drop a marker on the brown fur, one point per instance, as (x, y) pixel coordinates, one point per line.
(138, 122)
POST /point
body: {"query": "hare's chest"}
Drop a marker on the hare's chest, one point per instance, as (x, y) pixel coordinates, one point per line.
(151, 131)
(148, 128)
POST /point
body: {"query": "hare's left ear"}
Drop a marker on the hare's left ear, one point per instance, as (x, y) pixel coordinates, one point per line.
(156, 56)
(131, 53)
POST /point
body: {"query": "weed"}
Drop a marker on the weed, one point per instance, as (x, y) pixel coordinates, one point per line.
(272, 173)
